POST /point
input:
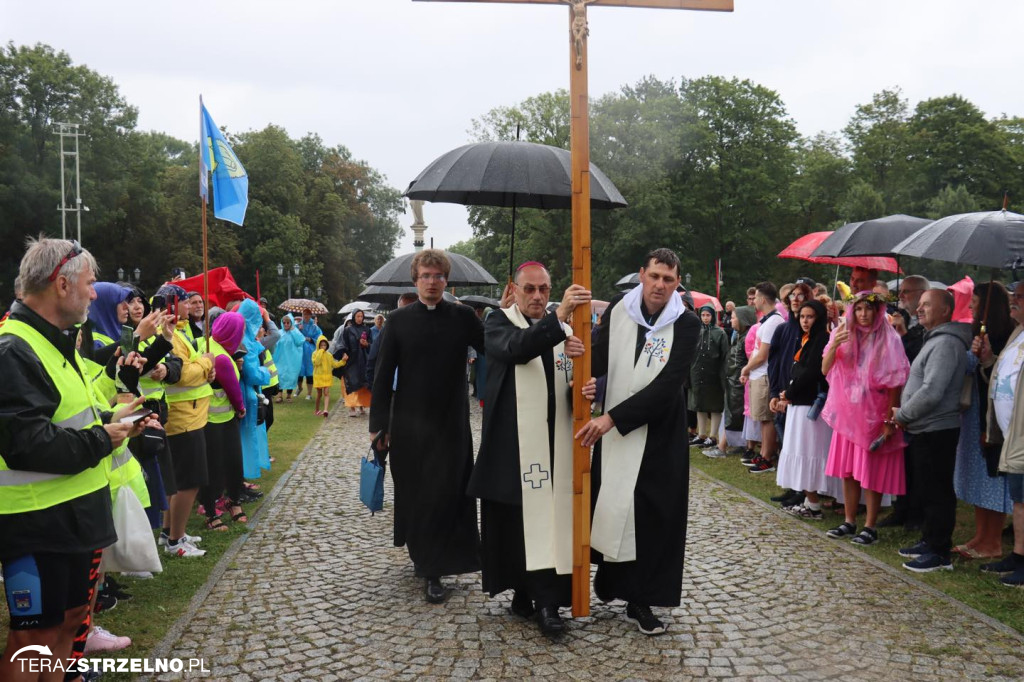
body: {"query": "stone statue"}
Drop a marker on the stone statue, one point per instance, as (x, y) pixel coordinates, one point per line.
(580, 30)
(417, 211)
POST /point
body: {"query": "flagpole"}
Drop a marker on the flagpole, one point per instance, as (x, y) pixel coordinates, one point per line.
(206, 283)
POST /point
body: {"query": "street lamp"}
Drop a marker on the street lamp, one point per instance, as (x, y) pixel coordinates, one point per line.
(687, 280)
(305, 291)
(319, 293)
(137, 272)
(281, 273)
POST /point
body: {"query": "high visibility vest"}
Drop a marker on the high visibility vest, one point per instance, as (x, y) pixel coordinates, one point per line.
(177, 394)
(98, 372)
(79, 408)
(268, 362)
(221, 410)
(147, 386)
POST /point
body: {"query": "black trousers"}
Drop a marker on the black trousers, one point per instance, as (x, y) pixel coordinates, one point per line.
(932, 456)
(224, 464)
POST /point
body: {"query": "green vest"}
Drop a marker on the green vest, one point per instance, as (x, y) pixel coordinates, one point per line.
(177, 394)
(79, 409)
(148, 387)
(268, 362)
(221, 410)
(98, 372)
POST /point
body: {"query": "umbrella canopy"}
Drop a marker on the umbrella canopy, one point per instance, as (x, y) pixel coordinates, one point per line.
(465, 272)
(388, 295)
(803, 249)
(993, 239)
(509, 174)
(480, 301)
(357, 305)
(870, 237)
(700, 299)
(297, 305)
(894, 284)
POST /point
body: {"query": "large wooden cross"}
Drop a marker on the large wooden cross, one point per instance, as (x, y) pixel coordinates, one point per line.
(580, 149)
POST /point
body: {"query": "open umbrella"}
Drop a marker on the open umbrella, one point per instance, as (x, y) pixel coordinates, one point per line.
(870, 237)
(804, 247)
(700, 299)
(987, 238)
(297, 305)
(465, 272)
(509, 174)
(357, 305)
(480, 301)
(387, 296)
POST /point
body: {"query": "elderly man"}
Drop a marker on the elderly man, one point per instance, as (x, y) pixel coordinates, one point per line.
(424, 415)
(641, 468)
(1006, 426)
(55, 508)
(523, 473)
(930, 413)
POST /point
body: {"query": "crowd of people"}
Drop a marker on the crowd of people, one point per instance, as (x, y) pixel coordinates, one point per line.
(872, 400)
(107, 389)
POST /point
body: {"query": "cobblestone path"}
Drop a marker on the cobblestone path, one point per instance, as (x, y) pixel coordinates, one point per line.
(317, 592)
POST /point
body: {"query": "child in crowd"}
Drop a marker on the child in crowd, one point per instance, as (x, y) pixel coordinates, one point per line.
(323, 363)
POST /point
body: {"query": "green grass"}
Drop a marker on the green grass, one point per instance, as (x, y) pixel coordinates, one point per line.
(964, 583)
(159, 602)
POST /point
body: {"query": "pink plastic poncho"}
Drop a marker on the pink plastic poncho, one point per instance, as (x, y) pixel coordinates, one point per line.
(963, 292)
(870, 363)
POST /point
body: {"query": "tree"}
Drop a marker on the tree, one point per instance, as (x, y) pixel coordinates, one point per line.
(879, 139)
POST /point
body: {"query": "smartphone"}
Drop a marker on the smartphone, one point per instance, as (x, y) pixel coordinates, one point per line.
(127, 340)
(172, 306)
(136, 416)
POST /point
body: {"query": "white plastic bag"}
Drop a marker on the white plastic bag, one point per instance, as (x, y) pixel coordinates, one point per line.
(135, 549)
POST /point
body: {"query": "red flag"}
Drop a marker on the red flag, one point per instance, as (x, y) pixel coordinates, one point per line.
(223, 288)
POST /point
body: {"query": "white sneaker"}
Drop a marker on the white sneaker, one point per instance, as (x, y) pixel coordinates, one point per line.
(309, 397)
(184, 548)
(141, 575)
(99, 639)
(164, 539)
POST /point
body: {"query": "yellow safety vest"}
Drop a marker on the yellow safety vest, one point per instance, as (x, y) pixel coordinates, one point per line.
(221, 410)
(268, 362)
(149, 387)
(79, 408)
(177, 394)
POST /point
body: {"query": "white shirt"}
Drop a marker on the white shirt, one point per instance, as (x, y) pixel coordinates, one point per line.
(1004, 381)
(764, 335)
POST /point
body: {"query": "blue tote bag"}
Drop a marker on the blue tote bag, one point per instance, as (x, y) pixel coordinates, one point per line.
(371, 481)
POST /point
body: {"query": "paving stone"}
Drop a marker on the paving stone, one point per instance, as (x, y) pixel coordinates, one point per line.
(330, 598)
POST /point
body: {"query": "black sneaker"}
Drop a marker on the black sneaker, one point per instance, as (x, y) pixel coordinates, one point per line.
(644, 619)
(867, 536)
(753, 462)
(1010, 564)
(104, 602)
(748, 457)
(1015, 579)
(917, 550)
(708, 443)
(762, 467)
(697, 440)
(843, 530)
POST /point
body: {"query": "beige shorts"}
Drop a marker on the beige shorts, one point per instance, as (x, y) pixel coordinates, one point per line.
(759, 400)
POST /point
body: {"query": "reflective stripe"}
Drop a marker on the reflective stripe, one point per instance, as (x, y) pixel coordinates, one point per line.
(219, 393)
(273, 372)
(79, 421)
(14, 477)
(149, 391)
(221, 409)
(118, 460)
(174, 389)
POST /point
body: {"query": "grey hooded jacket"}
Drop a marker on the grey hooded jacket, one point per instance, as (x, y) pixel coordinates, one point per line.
(931, 397)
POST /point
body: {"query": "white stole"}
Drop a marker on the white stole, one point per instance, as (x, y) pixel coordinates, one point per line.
(614, 528)
(547, 495)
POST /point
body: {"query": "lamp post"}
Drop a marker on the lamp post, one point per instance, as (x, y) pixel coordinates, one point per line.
(305, 291)
(137, 272)
(319, 293)
(687, 276)
(281, 273)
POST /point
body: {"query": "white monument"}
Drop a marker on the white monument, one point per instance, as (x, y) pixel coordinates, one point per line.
(418, 226)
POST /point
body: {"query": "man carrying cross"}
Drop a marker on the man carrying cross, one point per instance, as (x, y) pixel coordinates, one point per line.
(523, 473)
(640, 470)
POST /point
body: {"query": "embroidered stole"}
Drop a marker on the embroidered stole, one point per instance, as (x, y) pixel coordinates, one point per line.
(614, 529)
(547, 495)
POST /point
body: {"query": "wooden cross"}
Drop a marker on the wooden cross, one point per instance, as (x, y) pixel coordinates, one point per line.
(580, 149)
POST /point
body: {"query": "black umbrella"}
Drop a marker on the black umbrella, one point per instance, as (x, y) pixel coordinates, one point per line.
(870, 237)
(987, 238)
(509, 174)
(465, 272)
(388, 295)
(480, 301)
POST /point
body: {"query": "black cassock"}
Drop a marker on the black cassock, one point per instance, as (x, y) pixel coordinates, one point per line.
(427, 419)
(496, 477)
(661, 497)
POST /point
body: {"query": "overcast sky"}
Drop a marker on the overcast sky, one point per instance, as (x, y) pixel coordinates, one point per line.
(398, 82)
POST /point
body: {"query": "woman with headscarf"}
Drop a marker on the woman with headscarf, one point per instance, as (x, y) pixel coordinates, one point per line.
(805, 449)
(355, 342)
(707, 378)
(255, 452)
(288, 356)
(865, 366)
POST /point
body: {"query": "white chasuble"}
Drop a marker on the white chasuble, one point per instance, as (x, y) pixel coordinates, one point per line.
(547, 494)
(614, 531)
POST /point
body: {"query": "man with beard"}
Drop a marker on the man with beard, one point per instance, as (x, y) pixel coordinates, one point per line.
(423, 416)
(523, 473)
(640, 470)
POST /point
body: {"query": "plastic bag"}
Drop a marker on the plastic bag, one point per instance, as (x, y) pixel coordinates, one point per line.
(135, 549)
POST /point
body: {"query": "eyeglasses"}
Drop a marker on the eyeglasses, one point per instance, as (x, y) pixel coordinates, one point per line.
(1017, 297)
(76, 250)
(430, 276)
(530, 289)
(797, 296)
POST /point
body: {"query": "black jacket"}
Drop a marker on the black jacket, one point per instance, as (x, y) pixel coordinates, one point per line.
(30, 442)
(806, 379)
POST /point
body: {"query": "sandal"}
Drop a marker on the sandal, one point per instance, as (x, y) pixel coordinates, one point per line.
(842, 530)
(216, 524)
(240, 517)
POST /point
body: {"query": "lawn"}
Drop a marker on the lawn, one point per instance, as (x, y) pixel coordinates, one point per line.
(964, 583)
(157, 603)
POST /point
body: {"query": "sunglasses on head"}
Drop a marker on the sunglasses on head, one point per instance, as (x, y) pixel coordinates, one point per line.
(76, 250)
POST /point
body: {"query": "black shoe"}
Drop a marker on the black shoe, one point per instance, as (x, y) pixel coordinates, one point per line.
(796, 498)
(891, 521)
(522, 605)
(784, 495)
(1010, 564)
(697, 440)
(116, 592)
(434, 591)
(104, 602)
(645, 620)
(550, 622)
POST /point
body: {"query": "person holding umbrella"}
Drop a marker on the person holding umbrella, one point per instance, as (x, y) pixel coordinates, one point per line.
(310, 331)
(355, 342)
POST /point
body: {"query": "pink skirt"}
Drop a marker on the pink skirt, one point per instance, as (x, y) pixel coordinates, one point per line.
(881, 471)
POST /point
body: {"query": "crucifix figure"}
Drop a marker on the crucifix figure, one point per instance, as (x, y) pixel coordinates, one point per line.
(580, 148)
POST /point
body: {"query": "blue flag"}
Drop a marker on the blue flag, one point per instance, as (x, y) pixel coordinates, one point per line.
(230, 182)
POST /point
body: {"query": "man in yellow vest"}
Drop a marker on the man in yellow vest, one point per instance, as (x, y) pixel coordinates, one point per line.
(55, 510)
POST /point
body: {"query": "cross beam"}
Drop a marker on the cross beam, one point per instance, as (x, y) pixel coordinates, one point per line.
(580, 149)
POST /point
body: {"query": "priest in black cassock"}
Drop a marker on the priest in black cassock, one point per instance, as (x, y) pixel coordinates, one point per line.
(640, 469)
(523, 472)
(424, 413)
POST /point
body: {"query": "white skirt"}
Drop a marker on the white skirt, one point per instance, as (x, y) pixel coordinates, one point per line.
(751, 430)
(804, 451)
